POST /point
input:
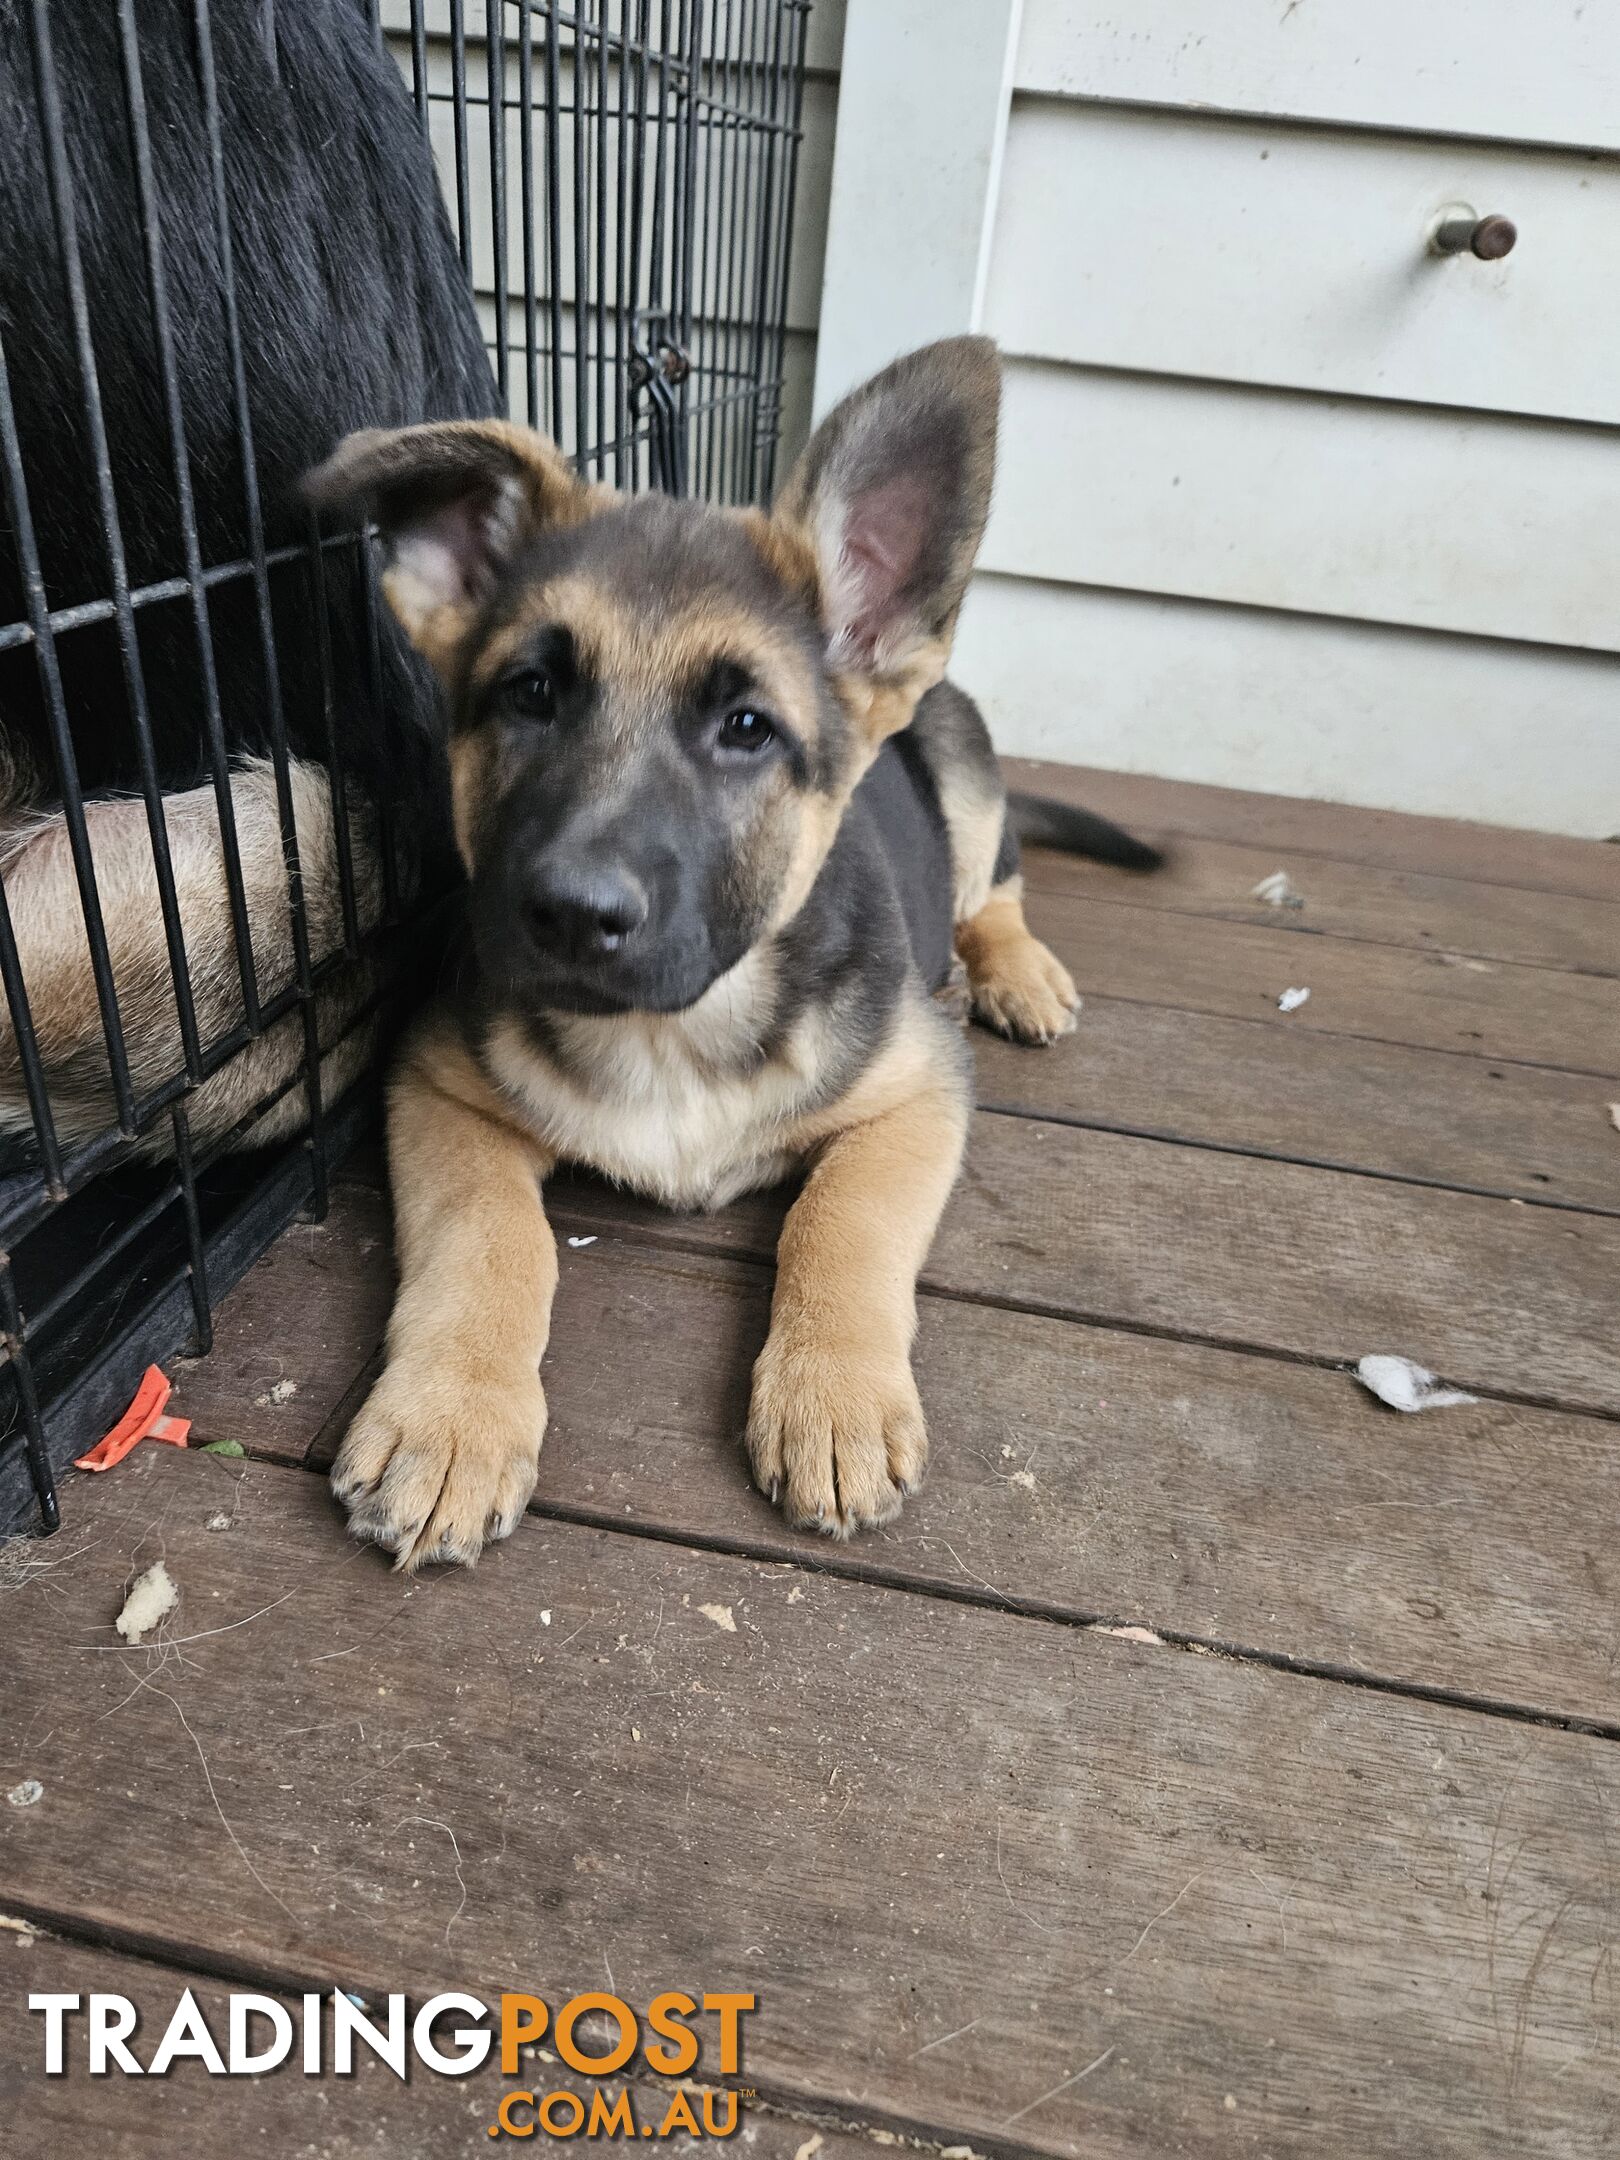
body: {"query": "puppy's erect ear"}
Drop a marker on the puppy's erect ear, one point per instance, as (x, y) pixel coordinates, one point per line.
(453, 500)
(890, 498)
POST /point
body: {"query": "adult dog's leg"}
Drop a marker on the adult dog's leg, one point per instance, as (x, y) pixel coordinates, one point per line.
(1018, 985)
(835, 1427)
(443, 1457)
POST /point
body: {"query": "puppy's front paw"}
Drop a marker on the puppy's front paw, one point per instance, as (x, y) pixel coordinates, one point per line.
(436, 1466)
(1025, 992)
(837, 1439)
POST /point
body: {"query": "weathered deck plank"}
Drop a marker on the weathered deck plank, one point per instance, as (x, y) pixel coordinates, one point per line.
(1085, 1472)
(1331, 1099)
(1228, 1248)
(294, 1333)
(1388, 839)
(369, 2113)
(1216, 878)
(1483, 1009)
(991, 1878)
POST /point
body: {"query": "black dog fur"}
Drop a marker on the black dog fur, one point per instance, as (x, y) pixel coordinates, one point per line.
(353, 309)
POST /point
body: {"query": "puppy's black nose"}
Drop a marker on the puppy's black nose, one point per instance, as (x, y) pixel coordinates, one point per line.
(583, 908)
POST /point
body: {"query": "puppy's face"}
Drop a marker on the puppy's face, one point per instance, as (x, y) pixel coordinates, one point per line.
(660, 710)
(646, 738)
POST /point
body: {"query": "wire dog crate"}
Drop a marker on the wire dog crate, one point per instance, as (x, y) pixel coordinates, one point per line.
(626, 227)
(211, 898)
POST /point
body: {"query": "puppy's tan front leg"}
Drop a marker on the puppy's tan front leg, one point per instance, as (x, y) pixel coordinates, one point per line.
(443, 1457)
(835, 1427)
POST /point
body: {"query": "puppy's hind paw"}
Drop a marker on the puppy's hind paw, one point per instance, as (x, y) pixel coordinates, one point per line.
(1025, 992)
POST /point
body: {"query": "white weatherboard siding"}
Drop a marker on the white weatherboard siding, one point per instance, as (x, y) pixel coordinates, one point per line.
(1516, 70)
(1405, 719)
(1286, 502)
(1388, 513)
(1298, 256)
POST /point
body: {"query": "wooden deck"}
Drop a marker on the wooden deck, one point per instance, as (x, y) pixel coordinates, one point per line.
(1210, 1761)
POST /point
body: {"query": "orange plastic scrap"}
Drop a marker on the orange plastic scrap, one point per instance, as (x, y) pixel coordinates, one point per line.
(143, 1420)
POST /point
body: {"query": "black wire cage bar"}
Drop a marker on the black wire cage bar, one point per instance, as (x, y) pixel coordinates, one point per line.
(193, 1022)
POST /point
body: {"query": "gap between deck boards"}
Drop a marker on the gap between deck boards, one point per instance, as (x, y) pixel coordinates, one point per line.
(1501, 1009)
(1288, 1471)
(844, 1563)
(1173, 1138)
(1392, 840)
(1467, 921)
(1176, 1860)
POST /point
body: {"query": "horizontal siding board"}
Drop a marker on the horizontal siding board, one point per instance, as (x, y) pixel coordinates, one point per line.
(1500, 527)
(1396, 720)
(1259, 253)
(1523, 70)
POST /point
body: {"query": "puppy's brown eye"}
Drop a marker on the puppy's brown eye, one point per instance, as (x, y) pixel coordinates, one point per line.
(532, 695)
(745, 730)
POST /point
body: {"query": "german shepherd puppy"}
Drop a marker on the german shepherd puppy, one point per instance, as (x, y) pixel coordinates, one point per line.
(723, 822)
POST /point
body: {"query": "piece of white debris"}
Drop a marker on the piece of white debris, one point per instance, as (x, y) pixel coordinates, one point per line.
(577, 1242)
(1462, 960)
(153, 1596)
(721, 1616)
(1614, 1115)
(273, 1398)
(218, 1522)
(1025, 1478)
(811, 2146)
(545, 1617)
(28, 1794)
(1132, 1634)
(1278, 890)
(1292, 1000)
(796, 1595)
(1407, 1386)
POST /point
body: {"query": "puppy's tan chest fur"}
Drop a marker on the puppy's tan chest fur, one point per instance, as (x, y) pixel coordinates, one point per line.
(677, 1106)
